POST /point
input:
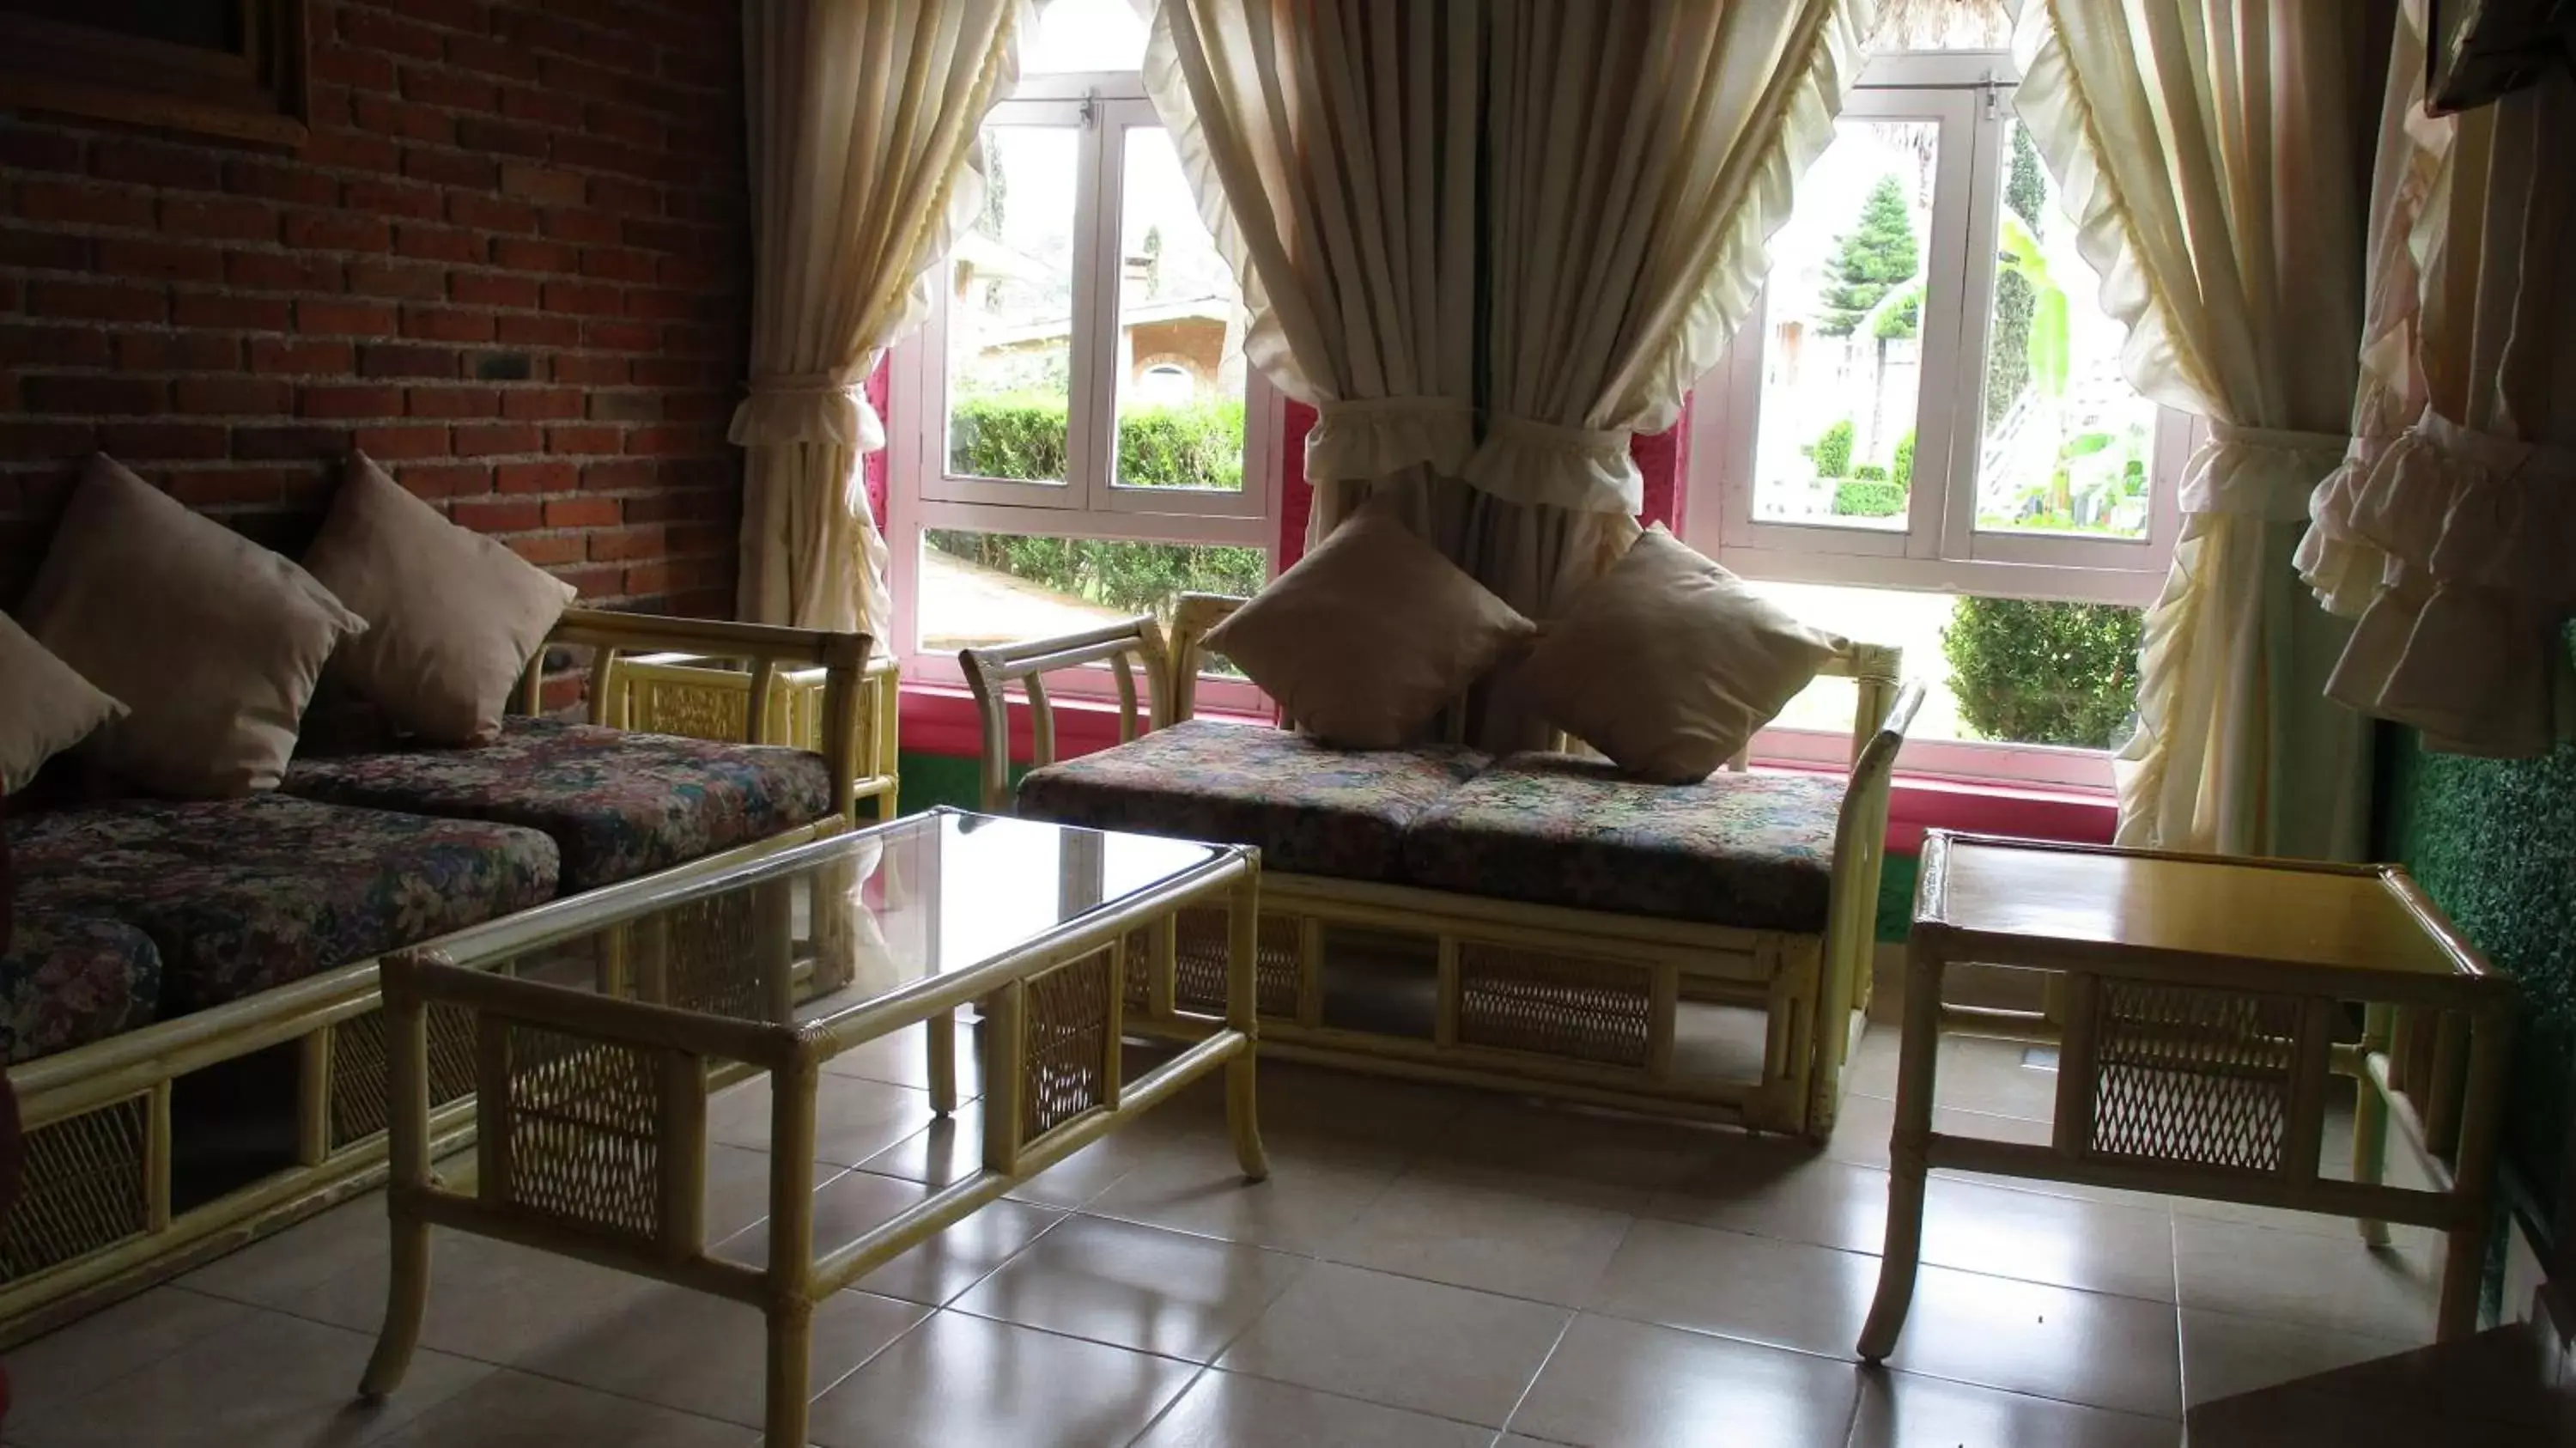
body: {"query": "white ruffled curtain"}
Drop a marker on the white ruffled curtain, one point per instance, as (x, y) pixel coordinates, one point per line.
(1333, 149)
(1589, 191)
(863, 120)
(2207, 151)
(1636, 159)
(2450, 529)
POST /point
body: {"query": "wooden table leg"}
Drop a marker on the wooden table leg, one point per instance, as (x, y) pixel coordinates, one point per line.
(942, 1032)
(1915, 1069)
(791, 1351)
(2464, 1263)
(407, 1148)
(1243, 1013)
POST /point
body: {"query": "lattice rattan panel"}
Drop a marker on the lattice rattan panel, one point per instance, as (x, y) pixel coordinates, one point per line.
(699, 710)
(361, 1067)
(1140, 967)
(2193, 1075)
(1198, 963)
(584, 1143)
(711, 966)
(1556, 1005)
(86, 1188)
(1066, 1067)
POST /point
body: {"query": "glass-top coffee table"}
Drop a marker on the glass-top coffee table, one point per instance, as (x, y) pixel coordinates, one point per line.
(590, 1031)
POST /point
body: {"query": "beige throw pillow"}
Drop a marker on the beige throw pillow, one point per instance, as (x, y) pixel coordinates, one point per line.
(45, 707)
(1369, 635)
(1669, 663)
(452, 616)
(213, 642)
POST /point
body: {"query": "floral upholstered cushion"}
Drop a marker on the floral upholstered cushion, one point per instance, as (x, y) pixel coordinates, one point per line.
(1312, 809)
(1751, 850)
(618, 804)
(68, 980)
(241, 895)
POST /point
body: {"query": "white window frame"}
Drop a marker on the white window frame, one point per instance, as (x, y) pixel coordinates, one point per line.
(923, 495)
(1940, 549)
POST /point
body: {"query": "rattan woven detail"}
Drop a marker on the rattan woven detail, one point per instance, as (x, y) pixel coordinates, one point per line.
(669, 706)
(1558, 1005)
(87, 1187)
(1198, 963)
(709, 965)
(2194, 1075)
(1139, 982)
(583, 1127)
(358, 1063)
(1066, 1071)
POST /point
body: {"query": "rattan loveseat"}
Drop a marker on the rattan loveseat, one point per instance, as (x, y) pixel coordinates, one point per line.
(190, 1000)
(1533, 922)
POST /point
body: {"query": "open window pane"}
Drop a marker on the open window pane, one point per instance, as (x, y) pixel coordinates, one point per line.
(1842, 361)
(989, 588)
(1085, 35)
(1179, 370)
(2000, 670)
(1010, 313)
(2067, 444)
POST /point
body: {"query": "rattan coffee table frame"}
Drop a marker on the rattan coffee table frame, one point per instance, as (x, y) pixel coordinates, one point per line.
(591, 1131)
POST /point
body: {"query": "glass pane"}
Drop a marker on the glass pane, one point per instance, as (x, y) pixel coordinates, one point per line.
(1842, 361)
(1180, 334)
(2068, 445)
(1085, 35)
(1992, 668)
(1010, 313)
(1942, 25)
(995, 588)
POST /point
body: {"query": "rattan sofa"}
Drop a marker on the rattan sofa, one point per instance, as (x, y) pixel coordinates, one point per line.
(1534, 923)
(221, 954)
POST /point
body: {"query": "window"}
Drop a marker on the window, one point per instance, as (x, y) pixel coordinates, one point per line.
(1080, 439)
(1922, 435)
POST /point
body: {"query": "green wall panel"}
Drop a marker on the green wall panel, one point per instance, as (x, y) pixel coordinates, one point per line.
(2494, 843)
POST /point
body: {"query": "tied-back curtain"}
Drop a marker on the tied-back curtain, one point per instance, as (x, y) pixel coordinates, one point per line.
(2451, 540)
(1333, 149)
(2207, 152)
(863, 118)
(1637, 157)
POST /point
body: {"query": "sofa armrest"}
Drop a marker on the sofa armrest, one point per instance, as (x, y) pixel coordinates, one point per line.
(764, 650)
(1860, 852)
(1125, 646)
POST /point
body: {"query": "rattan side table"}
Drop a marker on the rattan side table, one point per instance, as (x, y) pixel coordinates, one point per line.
(2207, 1005)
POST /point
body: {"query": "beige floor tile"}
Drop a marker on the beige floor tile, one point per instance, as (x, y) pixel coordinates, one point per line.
(2224, 1354)
(1131, 1286)
(515, 1410)
(1083, 1176)
(265, 1380)
(276, 1269)
(902, 1058)
(737, 1192)
(65, 1365)
(949, 1149)
(2057, 1240)
(1594, 1158)
(1975, 1074)
(1432, 1348)
(2051, 1342)
(1475, 1231)
(1900, 1410)
(1193, 1184)
(708, 1356)
(1615, 1384)
(968, 1382)
(1787, 1294)
(854, 1118)
(1785, 1193)
(1315, 1105)
(1232, 1410)
(488, 1300)
(2330, 1282)
(931, 1273)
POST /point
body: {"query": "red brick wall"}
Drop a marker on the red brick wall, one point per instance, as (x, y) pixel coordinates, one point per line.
(512, 264)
